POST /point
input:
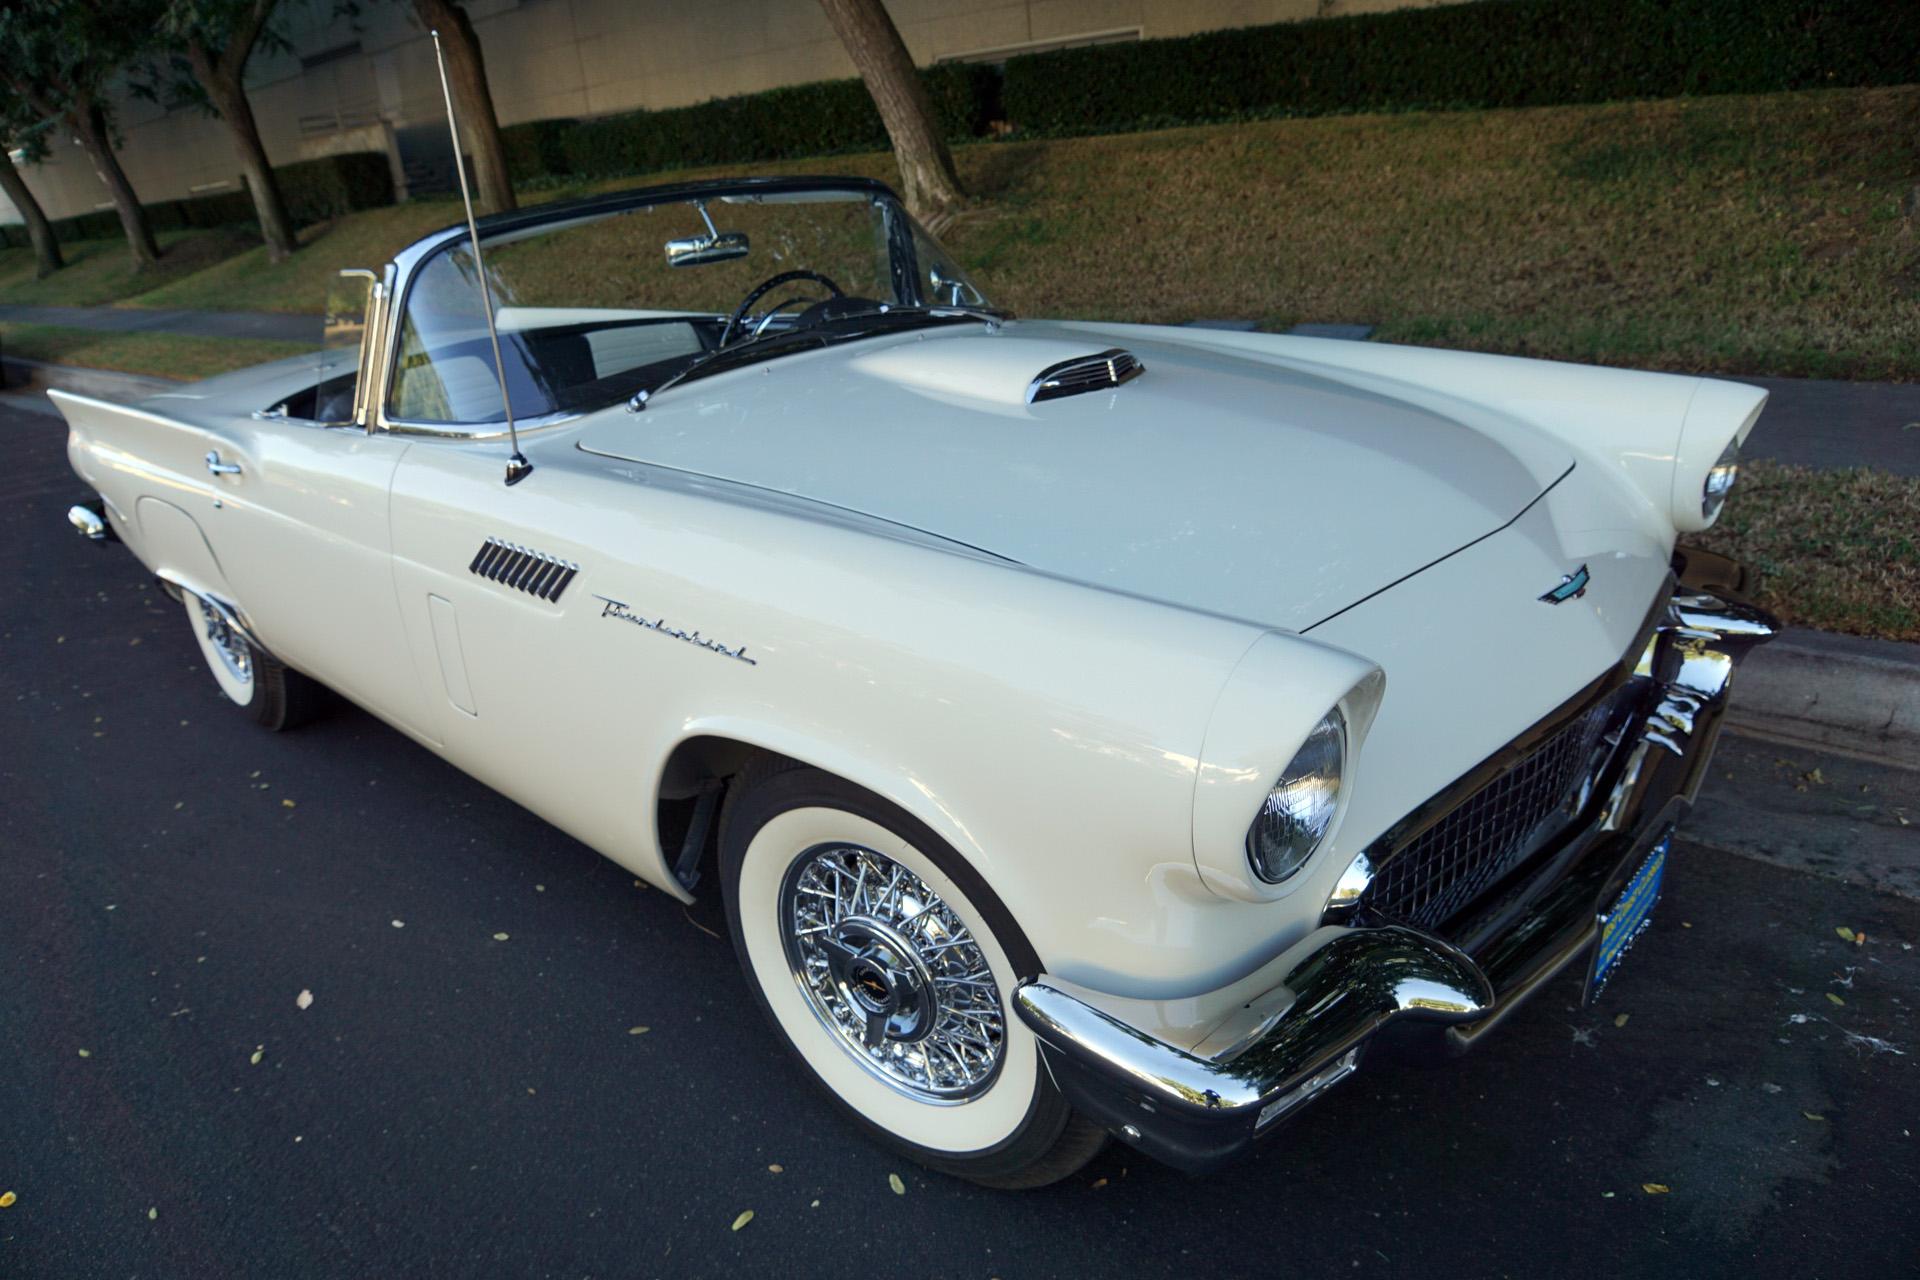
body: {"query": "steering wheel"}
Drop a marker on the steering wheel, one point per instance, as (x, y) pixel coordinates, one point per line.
(767, 286)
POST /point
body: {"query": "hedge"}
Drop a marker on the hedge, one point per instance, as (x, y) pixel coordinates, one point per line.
(1503, 53)
(313, 189)
(824, 118)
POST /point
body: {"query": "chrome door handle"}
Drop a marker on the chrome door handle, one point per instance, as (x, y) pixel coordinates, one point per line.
(215, 467)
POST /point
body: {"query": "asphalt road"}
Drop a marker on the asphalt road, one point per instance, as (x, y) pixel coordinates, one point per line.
(456, 1103)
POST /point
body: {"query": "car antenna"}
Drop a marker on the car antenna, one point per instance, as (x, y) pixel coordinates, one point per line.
(518, 468)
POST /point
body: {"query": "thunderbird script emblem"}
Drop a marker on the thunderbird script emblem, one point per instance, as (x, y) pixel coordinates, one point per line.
(1572, 587)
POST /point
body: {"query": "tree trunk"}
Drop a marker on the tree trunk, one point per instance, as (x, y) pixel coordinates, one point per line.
(229, 96)
(89, 124)
(927, 177)
(479, 127)
(46, 250)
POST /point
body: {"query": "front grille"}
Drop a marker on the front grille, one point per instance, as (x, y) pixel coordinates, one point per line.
(1441, 871)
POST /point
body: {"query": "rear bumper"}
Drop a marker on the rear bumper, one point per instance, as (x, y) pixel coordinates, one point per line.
(1351, 984)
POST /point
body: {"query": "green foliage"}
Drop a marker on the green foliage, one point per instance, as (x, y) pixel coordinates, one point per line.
(332, 185)
(315, 190)
(824, 118)
(1504, 53)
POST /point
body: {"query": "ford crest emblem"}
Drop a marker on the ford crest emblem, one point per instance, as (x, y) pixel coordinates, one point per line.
(1572, 587)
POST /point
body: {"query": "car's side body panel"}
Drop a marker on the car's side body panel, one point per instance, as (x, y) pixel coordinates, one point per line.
(1048, 730)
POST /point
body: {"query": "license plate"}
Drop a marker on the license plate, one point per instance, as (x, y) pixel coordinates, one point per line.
(1630, 913)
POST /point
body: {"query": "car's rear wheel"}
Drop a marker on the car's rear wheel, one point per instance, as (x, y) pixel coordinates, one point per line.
(886, 964)
(273, 694)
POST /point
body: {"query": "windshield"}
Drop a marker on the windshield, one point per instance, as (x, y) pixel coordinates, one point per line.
(595, 309)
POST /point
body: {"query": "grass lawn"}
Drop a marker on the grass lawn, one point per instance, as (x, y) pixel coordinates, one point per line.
(166, 354)
(1837, 550)
(1772, 234)
(101, 272)
(248, 282)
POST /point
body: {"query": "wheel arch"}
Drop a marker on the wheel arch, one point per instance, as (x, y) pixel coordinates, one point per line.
(720, 749)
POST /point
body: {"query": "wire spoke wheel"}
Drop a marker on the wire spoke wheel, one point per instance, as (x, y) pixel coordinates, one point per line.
(893, 972)
(225, 643)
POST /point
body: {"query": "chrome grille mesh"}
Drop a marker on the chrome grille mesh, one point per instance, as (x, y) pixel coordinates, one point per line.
(526, 570)
(1437, 874)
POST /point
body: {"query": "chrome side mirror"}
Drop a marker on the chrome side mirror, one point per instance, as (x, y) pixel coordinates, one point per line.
(959, 292)
(715, 246)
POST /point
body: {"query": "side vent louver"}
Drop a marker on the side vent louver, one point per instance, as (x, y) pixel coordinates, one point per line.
(1084, 373)
(523, 570)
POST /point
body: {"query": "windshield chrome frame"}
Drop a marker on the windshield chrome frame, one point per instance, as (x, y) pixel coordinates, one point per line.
(408, 262)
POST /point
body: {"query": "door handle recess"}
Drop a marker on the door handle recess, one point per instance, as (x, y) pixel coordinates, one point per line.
(215, 467)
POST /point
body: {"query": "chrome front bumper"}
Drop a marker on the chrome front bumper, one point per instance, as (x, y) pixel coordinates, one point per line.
(1350, 984)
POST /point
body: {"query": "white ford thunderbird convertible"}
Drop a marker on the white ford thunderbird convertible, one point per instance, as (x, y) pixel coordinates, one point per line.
(1094, 731)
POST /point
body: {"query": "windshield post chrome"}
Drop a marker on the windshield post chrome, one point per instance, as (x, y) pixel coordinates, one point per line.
(518, 468)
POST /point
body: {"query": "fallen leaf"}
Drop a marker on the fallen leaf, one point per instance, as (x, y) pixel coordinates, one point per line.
(539, 888)
(1836, 999)
(1816, 777)
(1606, 1195)
(258, 1054)
(6, 1199)
(743, 1220)
(86, 1053)
(1770, 1087)
(1814, 1115)
(1655, 1188)
(1620, 1021)
(638, 1031)
(1099, 1183)
(399, 924)
(304, 1000)
(286, 804)
(899, 1187)
(774, 1168)
(152, 1214)
(499, 937)
(1846, 934)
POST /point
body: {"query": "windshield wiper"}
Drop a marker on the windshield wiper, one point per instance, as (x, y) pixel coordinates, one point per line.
(712, 361)
(720, 359)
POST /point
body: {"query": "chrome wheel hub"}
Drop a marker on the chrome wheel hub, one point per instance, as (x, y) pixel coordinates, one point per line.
(892, 972)
(227, 643)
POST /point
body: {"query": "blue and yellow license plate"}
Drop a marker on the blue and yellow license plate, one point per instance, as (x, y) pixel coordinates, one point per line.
(1628, 916)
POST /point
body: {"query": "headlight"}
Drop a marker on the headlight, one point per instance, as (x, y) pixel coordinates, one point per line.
(1720, 480)
(1301, 805)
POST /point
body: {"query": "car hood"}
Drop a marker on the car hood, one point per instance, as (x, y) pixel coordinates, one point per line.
(1267, 489)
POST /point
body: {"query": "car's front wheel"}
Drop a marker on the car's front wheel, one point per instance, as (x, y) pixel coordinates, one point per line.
(886, 964)
(266, 689)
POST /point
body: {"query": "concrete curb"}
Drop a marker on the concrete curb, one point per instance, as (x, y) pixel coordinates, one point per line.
(1841, 692)
(18, 373)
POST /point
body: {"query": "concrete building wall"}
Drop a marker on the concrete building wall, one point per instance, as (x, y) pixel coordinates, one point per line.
(356, 83)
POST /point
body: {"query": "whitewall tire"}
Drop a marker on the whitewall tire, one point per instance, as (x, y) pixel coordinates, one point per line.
(887, 965)
(273, 694)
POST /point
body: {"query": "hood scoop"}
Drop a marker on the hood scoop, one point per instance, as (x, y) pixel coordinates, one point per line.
(1082, 374)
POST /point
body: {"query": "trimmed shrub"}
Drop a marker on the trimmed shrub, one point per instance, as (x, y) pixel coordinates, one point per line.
(1505, 53)
(823, 118)
(536, 148)
(313, 189)
(332, 185)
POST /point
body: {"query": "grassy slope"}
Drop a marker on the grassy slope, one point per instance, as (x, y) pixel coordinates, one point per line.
(1767, 234)
(101, 272)
(166, 354)
(1838, 550)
